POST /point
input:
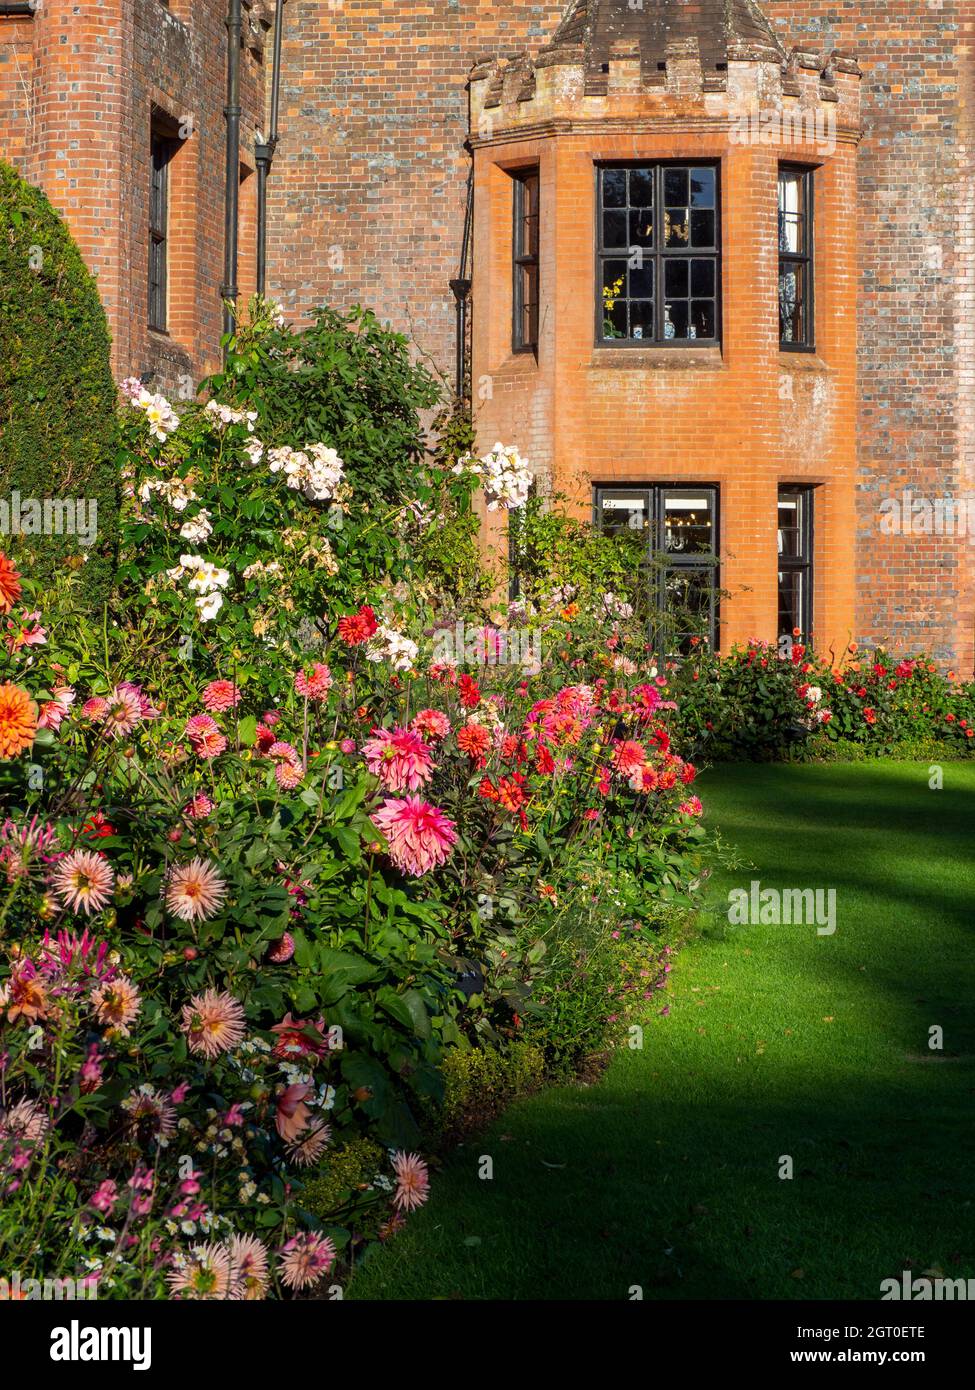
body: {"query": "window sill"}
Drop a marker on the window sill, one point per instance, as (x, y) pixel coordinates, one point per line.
(804, 362)
(658, 358)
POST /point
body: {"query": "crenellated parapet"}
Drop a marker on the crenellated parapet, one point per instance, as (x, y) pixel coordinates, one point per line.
(612, 65)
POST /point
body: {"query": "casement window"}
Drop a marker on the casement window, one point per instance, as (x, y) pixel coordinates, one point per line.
(524, 245)
(678, 524)
(163, 147)
(796, 259)
(657, 247)
(795, 560)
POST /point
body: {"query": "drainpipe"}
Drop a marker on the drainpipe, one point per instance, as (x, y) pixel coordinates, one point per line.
(264, 151)
(229, 289)
(462, 288)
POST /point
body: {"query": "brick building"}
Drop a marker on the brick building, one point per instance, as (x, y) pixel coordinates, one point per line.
(116, 109)
(788, 198)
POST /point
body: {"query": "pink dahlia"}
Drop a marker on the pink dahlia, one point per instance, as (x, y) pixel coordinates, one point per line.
(248, 1259)
(431, 723)
(204, 1274)
(288, 775)
(629, 756)
(399, 758)
(314, 684)
(124, 712)
(310, 1144)
(305, 1259)
(194, 890)
(95, 709)
(419, 835)
(83, 880)
(412, 1181)
(198, 807)
(213, 1023)
(205, 737)
(116, 1004)
(220, 696)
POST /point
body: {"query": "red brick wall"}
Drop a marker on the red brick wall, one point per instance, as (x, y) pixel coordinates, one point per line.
(77, 87)
(371, 169)
(371, 162)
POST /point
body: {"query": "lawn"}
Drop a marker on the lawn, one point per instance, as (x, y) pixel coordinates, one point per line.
(778, 1041)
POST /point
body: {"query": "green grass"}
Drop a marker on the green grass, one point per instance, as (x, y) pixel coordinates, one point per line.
(778, 1042)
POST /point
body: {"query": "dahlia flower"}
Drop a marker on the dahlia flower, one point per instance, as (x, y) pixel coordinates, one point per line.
(248, 1261)
(399, 758)
(205, 737)
(213, 1023)
(116, 1004)
(204, 1274)
(305, 1259)
(10, 586)
(18, 721)
(419, 835)
(150, 1114)
(310, 1144)
(357, 628)
(220, 696)
(27, 1121)
(123, 712)
(412, 1181)
(431, 723)
(83, 880)
(194, 890)
(314, 684)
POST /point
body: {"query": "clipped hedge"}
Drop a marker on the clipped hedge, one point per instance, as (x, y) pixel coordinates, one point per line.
(58, 439)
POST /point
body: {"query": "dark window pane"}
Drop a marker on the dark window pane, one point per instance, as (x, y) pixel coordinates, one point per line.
(641, 188)
(702, 228)
(676, 226)
(614, 188)
(641, 228)
(624, 510)
(702, 188)
(688, 522)
(675, 188)
(792, 302)
(676, 279)
(641, 282)
(614, 229)
(702, 279)
(677, 319)
(641, 318)
(703, 320)
(792, 211)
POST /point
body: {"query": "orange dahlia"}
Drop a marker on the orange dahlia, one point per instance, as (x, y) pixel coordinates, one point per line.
(18, 718)
(10, 589)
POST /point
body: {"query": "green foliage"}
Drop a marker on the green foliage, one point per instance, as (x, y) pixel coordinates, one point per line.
(479, 1081)
(763, 703)
(555, 551)
(57, 396)
(334, 1187)
(346, 380)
